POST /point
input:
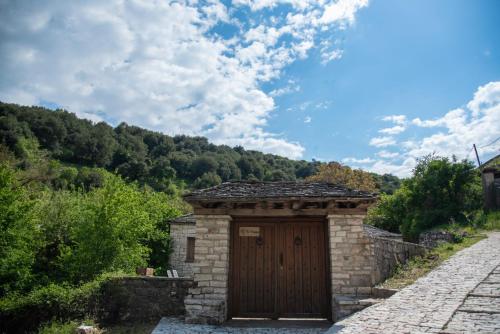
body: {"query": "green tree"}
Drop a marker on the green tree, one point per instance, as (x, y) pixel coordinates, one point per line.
(439, 192)
(18, 234)
(111, 231)
(203, 165)
(207, 180)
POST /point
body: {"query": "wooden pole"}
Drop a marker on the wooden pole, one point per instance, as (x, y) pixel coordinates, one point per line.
(477, 156)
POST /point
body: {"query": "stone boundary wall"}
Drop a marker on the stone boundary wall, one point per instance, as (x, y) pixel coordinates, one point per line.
(179, 233)
(142, 299)
(389, 253)
(359, 261)
(432, 239)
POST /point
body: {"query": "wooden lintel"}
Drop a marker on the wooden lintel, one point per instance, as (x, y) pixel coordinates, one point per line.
(283, 208)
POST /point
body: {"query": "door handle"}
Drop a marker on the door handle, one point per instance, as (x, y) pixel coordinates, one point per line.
(281, 260)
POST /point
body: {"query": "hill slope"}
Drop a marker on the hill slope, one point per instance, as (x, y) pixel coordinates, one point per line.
(148, 157)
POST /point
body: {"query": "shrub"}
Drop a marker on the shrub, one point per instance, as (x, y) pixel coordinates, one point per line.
(60, 303)
(489, 221)
(439, 192)
(112, 230)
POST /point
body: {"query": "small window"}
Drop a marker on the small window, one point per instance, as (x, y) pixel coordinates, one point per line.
(190, 249)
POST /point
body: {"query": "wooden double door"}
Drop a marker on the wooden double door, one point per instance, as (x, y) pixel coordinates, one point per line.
(279, 268)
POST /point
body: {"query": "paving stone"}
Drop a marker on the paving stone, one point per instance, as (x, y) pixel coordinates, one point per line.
(481, 304)
(432, 301)
(174, 325)
(489, 289)
(466, 322)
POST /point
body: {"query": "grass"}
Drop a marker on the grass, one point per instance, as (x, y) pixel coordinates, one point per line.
(56, 327)
(417, 267)
(492, 221)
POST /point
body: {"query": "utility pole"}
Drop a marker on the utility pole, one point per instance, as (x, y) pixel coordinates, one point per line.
(477, 156)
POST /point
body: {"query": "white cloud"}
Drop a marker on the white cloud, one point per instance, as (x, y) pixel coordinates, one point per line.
(358, 161)
(382, 141)
(456, 131)
(291, 87)
(393, 131)
(158, 65)
(329, 51)
(485, 97)
(387, 155)
(342, 10)
(328, 56)
(401, 170)
(396, 119)
(307, 119)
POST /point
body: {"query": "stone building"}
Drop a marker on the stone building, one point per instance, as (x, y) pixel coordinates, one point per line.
(183, 234)
(281, 249)
(490, 175)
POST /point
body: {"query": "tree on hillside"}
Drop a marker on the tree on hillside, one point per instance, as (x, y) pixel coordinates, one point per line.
(137, 154)
(334, 172)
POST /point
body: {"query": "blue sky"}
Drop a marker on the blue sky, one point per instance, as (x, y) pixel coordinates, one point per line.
(417, 58)
(374, 84)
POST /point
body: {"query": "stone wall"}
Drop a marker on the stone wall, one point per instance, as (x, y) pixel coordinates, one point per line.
(207, 303)
(389, 253)
(432, 239)
(179, 233)
(351, 261)
(359, 261)
(142, 299)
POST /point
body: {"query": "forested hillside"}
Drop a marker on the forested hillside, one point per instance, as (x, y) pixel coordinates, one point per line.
(163, 162)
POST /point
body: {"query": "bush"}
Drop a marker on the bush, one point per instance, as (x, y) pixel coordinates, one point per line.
(439, 192)
(112, 230)
(59, 328)
(21, 314)
(489, 221)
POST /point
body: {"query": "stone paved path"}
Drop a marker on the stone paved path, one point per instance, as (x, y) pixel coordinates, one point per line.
(480, 311)
(171, 325)
(460, 296)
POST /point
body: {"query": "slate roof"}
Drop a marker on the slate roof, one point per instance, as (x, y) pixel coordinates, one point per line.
(268, 190)
(373, 231)
(186, 219)
(492, 164)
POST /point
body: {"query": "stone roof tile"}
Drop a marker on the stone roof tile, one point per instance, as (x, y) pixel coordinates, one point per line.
(373, 231)
(186, 219)
(267, 190)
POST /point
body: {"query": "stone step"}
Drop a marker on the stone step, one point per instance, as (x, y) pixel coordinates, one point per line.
(347, 305)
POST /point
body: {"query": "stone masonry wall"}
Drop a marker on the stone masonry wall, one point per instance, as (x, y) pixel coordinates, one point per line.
(351, 261)
(179, 233)
(207, 303)
(358, 261)
(142, 299)
(390, 253)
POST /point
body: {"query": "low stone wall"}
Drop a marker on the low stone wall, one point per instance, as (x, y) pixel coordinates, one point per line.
(434, 238)
(389, 253)
(142, 299)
